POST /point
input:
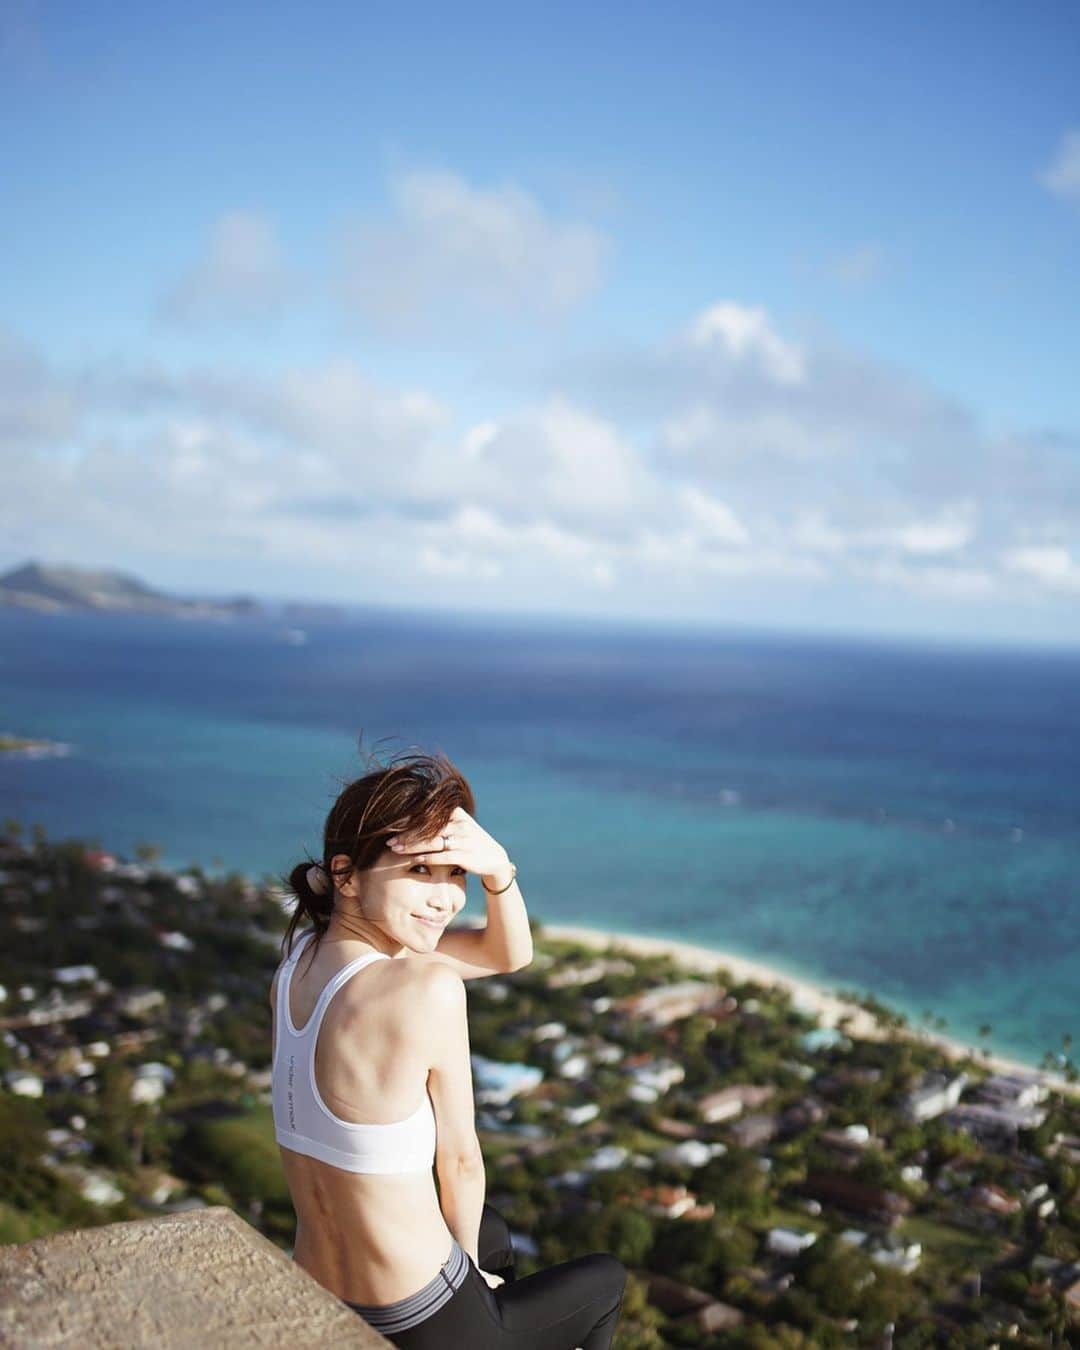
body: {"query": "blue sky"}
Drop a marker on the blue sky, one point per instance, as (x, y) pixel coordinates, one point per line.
(726, 313)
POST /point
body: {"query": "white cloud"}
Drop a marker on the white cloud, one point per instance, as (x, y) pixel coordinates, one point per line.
(948, 534)
(750, 437)
(713, 395)
(678, 469)
(1062, 175)
(811, 531)
(347, 413)
(483, 546)
(681, 550)
(478, 438)
(1051, 565)
(714, 520)
(241, 274)
(476, 525)
(486, 251)
(325, 466)
(744, 333)
(950, 531)
(950, 583)
(441, 562)
(556, 457)
(211, 466)
(856, 466)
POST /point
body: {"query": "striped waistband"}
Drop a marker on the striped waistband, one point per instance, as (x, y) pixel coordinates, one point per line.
(409, 1312)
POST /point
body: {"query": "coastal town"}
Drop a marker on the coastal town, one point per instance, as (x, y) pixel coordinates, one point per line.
(769, 1179)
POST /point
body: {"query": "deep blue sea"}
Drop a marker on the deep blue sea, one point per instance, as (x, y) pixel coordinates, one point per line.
(875, 815)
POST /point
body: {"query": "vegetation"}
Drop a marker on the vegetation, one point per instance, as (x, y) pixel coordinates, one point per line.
(180, 966)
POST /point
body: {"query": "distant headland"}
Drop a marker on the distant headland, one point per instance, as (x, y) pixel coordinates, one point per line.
(62, 587)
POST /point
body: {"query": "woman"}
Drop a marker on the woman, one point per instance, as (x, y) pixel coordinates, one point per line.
(371, 1022)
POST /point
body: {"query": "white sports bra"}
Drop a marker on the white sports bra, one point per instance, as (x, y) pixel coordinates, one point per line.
(302, 1120)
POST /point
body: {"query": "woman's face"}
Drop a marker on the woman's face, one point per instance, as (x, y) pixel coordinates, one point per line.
(412, 902)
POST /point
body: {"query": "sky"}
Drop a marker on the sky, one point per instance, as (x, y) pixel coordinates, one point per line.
(721, 314)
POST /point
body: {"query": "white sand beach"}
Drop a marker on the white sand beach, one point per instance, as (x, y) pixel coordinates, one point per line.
(807, 996)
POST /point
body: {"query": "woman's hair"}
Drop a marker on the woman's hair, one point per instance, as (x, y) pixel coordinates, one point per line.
(413, 793)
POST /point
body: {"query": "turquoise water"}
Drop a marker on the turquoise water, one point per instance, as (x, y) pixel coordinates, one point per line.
(895, 819)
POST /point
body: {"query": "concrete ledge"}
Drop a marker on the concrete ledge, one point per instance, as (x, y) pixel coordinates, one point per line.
(199, 1278)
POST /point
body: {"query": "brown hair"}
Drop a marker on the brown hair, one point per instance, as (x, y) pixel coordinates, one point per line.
(413, 793)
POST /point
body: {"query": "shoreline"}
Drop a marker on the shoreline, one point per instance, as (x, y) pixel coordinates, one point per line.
(806, 995)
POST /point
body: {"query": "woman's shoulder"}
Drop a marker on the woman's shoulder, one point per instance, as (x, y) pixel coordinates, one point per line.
(425, 995)
(426, 977)
(424, 989)
(440, 998)
(412, 983)
(427, 970)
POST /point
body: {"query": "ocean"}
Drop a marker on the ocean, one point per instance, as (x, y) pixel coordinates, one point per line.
(882, 816)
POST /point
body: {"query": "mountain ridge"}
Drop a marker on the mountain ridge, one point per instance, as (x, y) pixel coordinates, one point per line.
(56, 587)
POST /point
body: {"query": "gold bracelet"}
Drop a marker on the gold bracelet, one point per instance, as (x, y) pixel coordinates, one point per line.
(513, 877)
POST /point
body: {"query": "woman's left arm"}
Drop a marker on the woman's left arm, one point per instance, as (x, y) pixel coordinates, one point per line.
(505, 942)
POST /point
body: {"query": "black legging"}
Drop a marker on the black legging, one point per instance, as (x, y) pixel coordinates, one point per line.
(575, 1303)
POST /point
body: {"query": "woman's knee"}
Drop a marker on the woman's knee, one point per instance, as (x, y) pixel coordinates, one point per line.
(493, 1224)
(609, 1272)
(496, 1250)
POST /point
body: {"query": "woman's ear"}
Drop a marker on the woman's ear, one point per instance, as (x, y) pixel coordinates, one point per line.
(344, 875)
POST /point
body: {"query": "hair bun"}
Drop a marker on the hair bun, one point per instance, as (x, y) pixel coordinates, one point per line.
(317, 879)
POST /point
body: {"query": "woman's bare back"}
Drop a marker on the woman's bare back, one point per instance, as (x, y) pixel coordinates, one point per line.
(367, 1237)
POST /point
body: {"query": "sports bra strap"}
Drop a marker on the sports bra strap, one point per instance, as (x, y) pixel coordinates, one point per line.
(329, 989)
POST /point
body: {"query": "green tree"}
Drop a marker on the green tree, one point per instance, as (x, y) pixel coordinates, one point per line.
(627, 1234)
(639, 1322)
(116, 1115)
